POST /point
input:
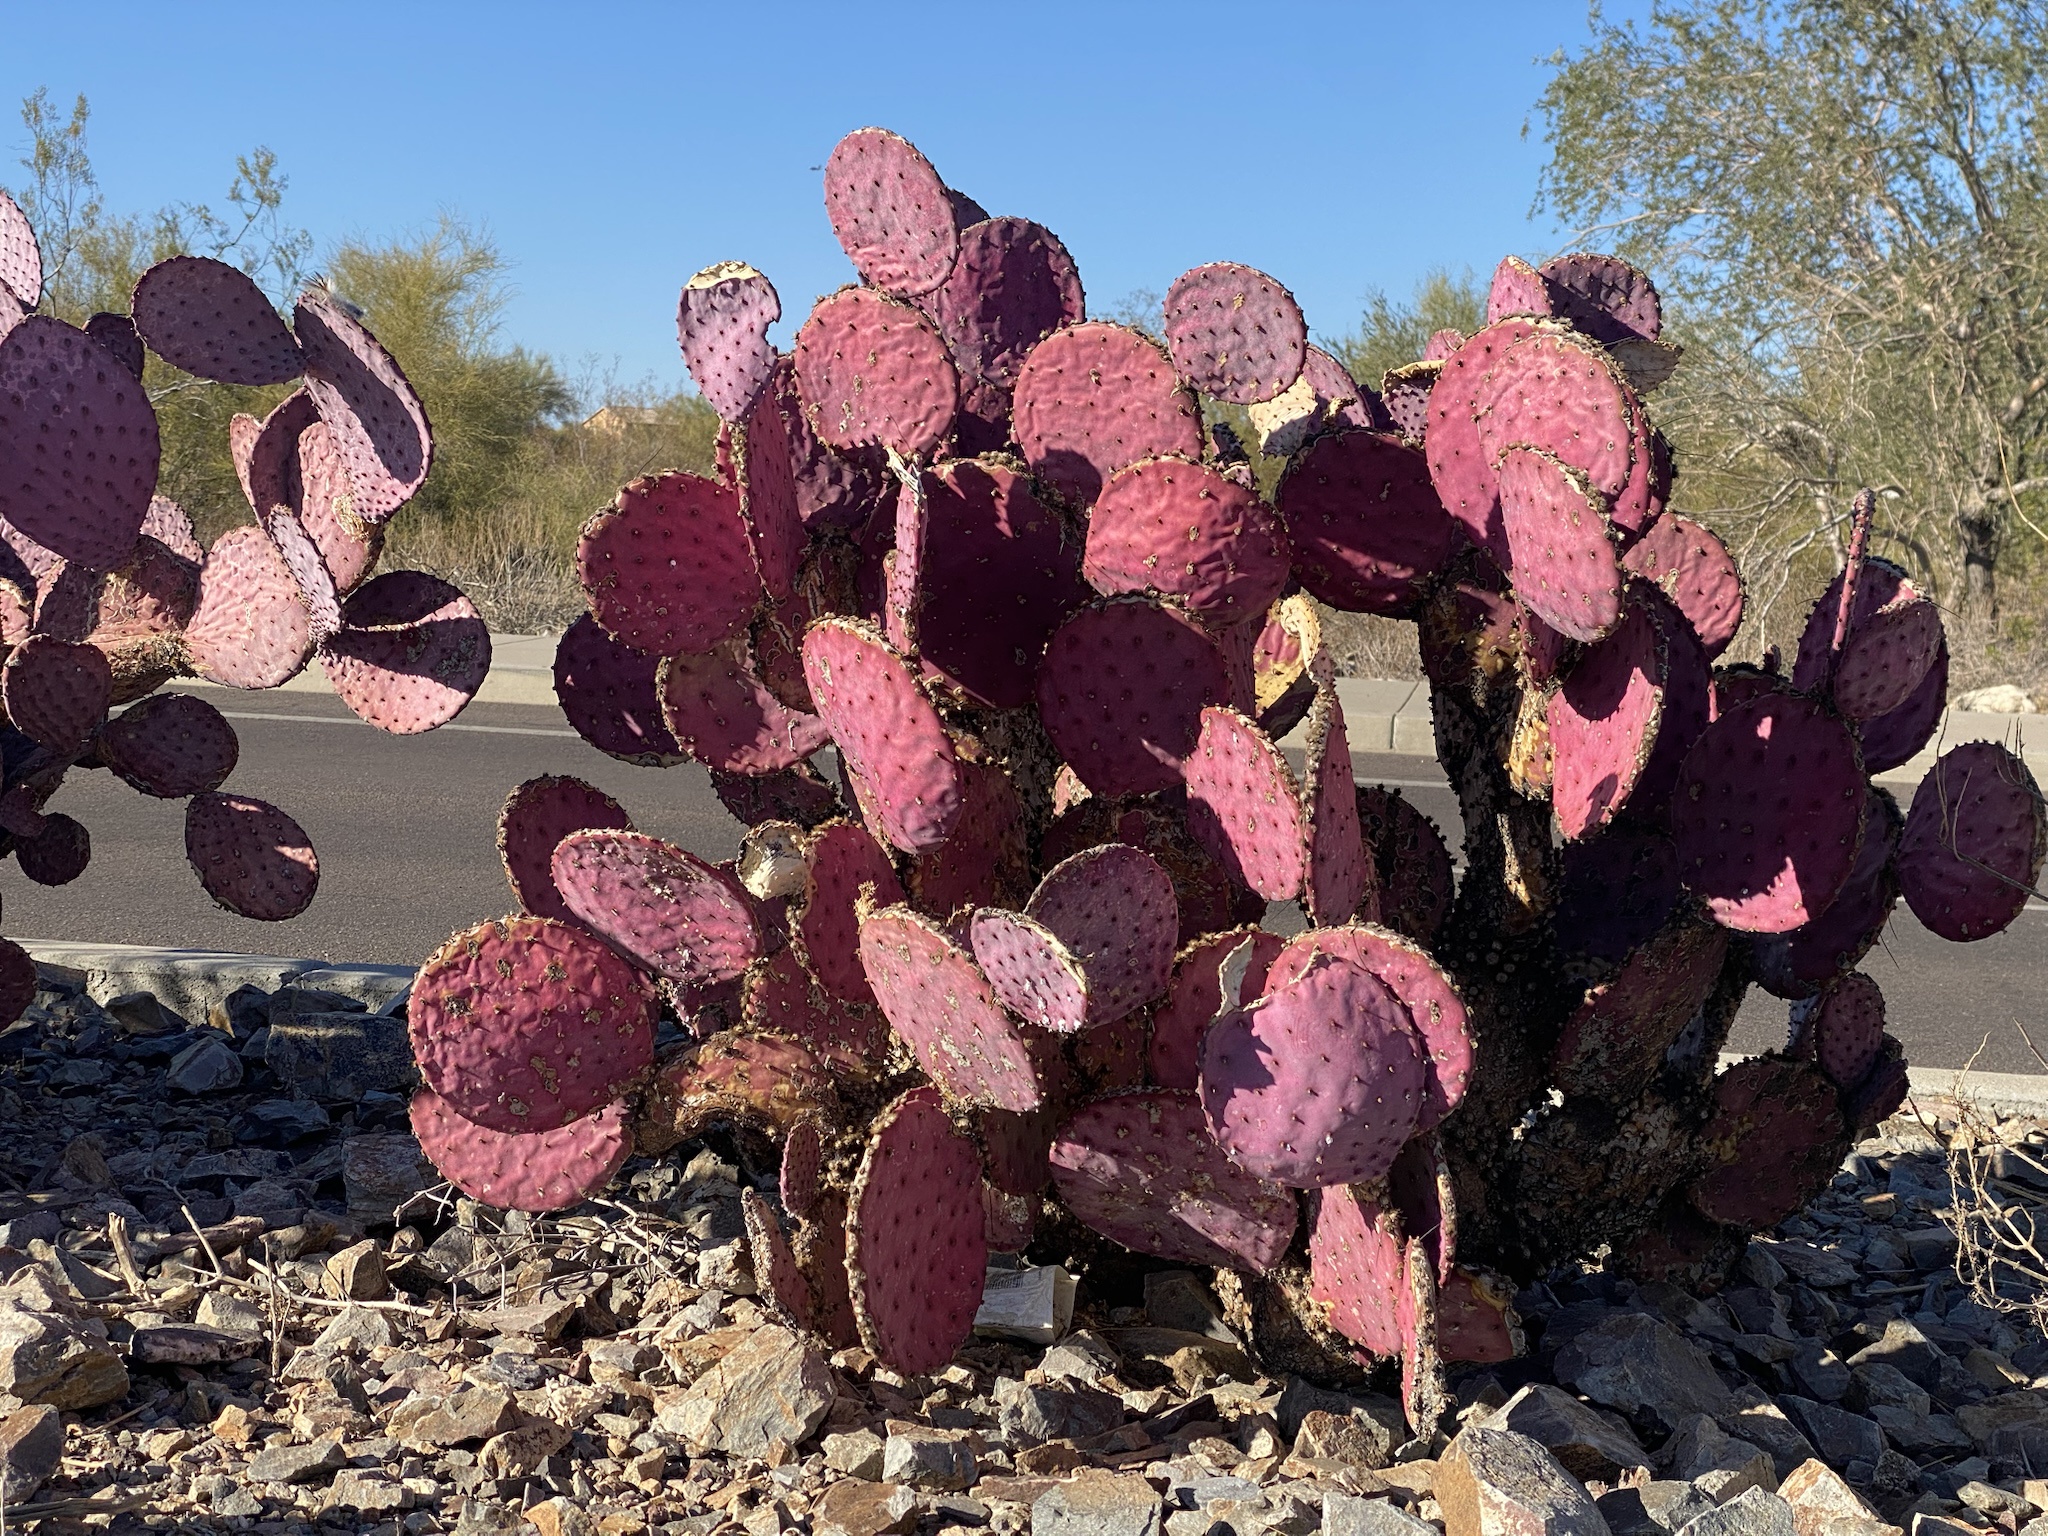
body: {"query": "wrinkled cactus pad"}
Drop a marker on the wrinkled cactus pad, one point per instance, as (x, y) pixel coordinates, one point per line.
(658, 904)
(522, 1170)
(936, 998)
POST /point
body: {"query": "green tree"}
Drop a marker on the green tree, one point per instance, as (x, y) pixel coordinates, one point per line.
(1393, 332)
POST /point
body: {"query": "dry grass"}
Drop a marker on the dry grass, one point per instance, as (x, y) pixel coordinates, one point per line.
(2001, 1225)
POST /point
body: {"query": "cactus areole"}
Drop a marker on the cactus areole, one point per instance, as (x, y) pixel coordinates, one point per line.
(1002, 707)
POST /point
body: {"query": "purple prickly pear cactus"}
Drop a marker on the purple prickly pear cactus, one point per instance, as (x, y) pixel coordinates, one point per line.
(523, 1170)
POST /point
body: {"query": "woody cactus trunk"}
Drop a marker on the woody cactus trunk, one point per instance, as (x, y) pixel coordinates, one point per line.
(1065, 952)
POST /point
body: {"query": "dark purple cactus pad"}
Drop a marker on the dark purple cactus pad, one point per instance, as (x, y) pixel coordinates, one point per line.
(367, 402)
(999, 574)
(1412, 872)
(1604, 723)
(1365, 522)
(1696, 572)
(1810, 957)
(57, 691)
(1517, 289)
(251, 628)
(1184, 530)
(935, 998)
(795, 794)
(1435, 1008)
(537, 816)
(1122, 689)
(890, 737)
(1768, 813)
(411, 653)
(1339, 879)
(1619, 888)
(1142, 1169)
(1245, 806)
(983, 861)
(1182, 1020)
(776, 1272)
(253, 859)
(1848, 1029)
(1320, 1081)
(1878, 1097)
(1460, 466)
(1031, 972)
(847, 866)
(1774, 1142)
(1013, 286)
(117, 334)
(170, 745)
(1114, 908)
(1560, 544)
(67, 602)
(57, 853)
(18, 980)
(607, 691)
(1234, 332)
(721, 713)
(1094, 397)
(21, 259)
(1879, 586)
(524, 1024)
(722, 325)
(660, 905)
(211, 319)
(872, 369)
(78, 444)
(1885, 657)
(891, 212)
(667, 567)
(1894, 738)
(1357, 1266)
(917, 1247)
(1613, 1045)
(523, 1171)
(1973, 843)
(833, 490)
(803, 1167)
(1604, 296)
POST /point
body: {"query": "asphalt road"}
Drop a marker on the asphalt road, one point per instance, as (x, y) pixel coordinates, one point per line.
(405, 831)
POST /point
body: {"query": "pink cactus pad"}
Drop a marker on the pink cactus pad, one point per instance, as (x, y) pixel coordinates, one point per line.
(776, 1272)
(1768, 813)
(660, 905)
(78, 444)
(1604, 723)
(323, 496)
(1404, 396)
(252, 858)
(891, 212)
(1774, 1142)
(890, 737)
(1000, 572)
(667, 567)
(1559, 392)
(169, 745)
(917, 1249)
(57, 853)
(768, 500)
(1435, 1008)
(983, 861)
(167, 523)
(935, 998)
(1182, 1020)
(1460, 466)
(57, 692)
(607, 691)
(1094, 397)
(1442, 344)
(1688, 702)
(1142, 1169)
(411, 653)
(1412, 875)
(778, 996)
(367, 402)
(1184, 530)
(1034, 974)
(1114, 907)
(1880, 584)
(251, 628)
(1973, 843)
(1696, 572)
(537, 816)
(12, 314)
(263, 451)
(1234, 332)
(1517, 289)
(1320, 1081)
(211, 319)
(803, 1167)
(1885, 657)
(308, 567)
(847, 866)
(21, 259)
(1013, 286)
(1357, 1267)
(1810, 957)
(721, 713)
(1604, 296)
(1476, 1320)
(872, 369)
(522, 1171)
(1245, 806)
(1613, 1045)
(722, 325)
(1365, 522)
(1848, 1029)
(1339, 879)
(1560, 543)
(524, 1024)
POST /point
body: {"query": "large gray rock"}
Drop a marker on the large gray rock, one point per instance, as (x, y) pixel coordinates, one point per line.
(1653, 1509)
(774, 1386)
(1824, 1505)
(1099, 1503)
(49, 1359)
(1719, 1465)
(1635, 1364)
(379, 1172)
(915, 1457)
(1494, 1482)
(1587, 1445)
(1905, 1348)
(1344, 1515)
(339, 1056)
(1839, 1436)
(1179, 1298)
(297, 1463)
(1034, 1415)
(205, 1066)
(31, 1449)
(1752, 1416)
(1754, 1513)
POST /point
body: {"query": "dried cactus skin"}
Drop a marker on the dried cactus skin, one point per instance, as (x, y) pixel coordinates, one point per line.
(1183, 530)
(253, 859)
(762, 1084)
(536, 817)
(1365, 521)
(1234, 332)
(524, 1024)
(1614, 1044)
(722, 322)
(667, 567)
(364, 397)
(56, 691)
(895, 748)
(21, 258)
(410, 654)
(522, 1170)
(608, 692)
(661, 906)
(938, 1002)
(1775, 1140)
(1697, 573)
(211, 319)
(1094, 397)
(1974, 842)
(170, 745)
(893, 215)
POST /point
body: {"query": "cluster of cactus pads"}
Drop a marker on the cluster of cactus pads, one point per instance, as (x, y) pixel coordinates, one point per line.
(998, 978)
(106, 594)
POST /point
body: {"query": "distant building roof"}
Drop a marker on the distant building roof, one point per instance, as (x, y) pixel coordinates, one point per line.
(616, 418)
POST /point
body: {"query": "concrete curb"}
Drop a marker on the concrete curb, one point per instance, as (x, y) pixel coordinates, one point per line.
(522, 672)
(191, 981)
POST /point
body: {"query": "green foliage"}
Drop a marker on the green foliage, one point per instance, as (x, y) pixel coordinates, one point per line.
(1392, 332)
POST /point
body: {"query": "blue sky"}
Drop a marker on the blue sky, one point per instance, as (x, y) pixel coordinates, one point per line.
(612, 151)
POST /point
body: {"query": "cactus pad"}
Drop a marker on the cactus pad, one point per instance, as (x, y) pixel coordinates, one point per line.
(1604, 296)
(769, 507)
(1194, 997)
(1036, 977)
(1245, 807)
(984, 860)
(1339, 877)
(1404, 396)
(721, 713)
(1768, 813)
(1848, 1029)
(1412, 875)
(58, 852)
(411, 653)
(1365, 522)
(1142, 1169)
(1184, 530)
(1095, 397)
(660, 905)
(776, 1272)
(935, 998)
(21, 259)
(1234, 332)
(1897, 736)
(1460, 466)
(57, 692)
(778, 996)
(1811, 956)
(170, 745)
(607, 690)
(524, 1024)
(1613, 1045)
(250, 628)
(1517, 289)
(1885, 657)
(1775, 1140)
(252, 858)
(1973, 842)
(1560, 543)
(78, 444)
(167, 523)
(722, 325)
(917, 1250)
(847, 867)
(1358, 1267)
(537, 816)
(364, 397)
(1604, 723)
(871, 369)
(211, 319)
(1013, 286)
(1560, 393)
(890, 737)
(667, 566)
(1114, 908)
(803, 1167)
(1696, 572)
(308, 567)
(522, 1171)
(891, 212)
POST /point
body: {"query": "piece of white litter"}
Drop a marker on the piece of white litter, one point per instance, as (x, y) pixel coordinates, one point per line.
(1035, 1304)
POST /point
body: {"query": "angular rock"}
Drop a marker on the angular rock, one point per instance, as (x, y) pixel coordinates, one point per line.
(1179, 1298)
(357, 1331)
(339, 1057)
(1653, 1509)
(1908, 1350)
(1816, 1266)
(1824, 1505)
(1754, 1513)
(560, 1516)
(49, 1359)
(1033, 1415)
(462, 1417)
(1099, 1503)
(774, 1386)
(1494, 1482)
(855, 1508)
(231, 1314)
(1356, 1438)
(297, 1463)
(1752, 1416)
(378, 1172)
(357, 1273)
(1839, 1437)
(1585, 1444)
(189, 1344)
(1715, 1462)
(31, 1450)
(1820, 1373)
(927, 1458)
(205, 1066)
(1347, 1515)
(857, 1453)
(2024, 1409)
(1635, 1364)
(368, 1492)
(519, 1451)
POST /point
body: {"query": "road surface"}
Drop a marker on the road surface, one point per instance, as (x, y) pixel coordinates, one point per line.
(405, 831)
